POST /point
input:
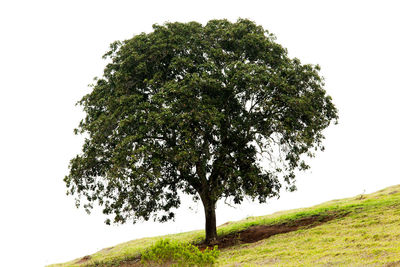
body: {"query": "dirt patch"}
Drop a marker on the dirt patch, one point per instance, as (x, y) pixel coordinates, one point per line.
(84, 259)
(259, 232)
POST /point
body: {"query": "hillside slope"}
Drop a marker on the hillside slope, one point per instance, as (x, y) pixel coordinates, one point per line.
(359, 231)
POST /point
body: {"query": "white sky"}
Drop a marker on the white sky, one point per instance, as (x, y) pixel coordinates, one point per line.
(51, 50)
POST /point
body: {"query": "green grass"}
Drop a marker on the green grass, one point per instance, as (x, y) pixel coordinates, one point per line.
(182, 254)
(368, 235)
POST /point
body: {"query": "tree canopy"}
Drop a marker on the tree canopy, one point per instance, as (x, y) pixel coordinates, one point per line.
(214, 111)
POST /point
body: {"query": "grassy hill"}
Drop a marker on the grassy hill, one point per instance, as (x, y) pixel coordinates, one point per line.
(359, 231)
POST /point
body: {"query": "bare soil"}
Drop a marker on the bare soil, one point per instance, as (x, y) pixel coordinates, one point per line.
(259, 232)
(84, 259)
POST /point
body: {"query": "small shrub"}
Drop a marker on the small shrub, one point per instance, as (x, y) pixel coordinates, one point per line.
(180, 254)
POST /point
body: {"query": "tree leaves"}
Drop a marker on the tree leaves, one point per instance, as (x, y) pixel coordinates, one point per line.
(216, 111)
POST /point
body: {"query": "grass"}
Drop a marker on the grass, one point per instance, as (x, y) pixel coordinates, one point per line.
(183, 254)
(366, 232)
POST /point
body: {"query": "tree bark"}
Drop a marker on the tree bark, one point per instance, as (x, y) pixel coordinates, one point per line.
(211, 223)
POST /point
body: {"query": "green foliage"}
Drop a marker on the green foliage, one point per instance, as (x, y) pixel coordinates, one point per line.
(214, 111)
(181, 254)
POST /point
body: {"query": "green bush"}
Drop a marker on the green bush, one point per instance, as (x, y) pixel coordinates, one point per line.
(177, 253)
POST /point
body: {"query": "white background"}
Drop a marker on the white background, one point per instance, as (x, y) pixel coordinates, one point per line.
(51, 50)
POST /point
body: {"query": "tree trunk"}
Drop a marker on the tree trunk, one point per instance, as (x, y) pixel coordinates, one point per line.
(211, 223)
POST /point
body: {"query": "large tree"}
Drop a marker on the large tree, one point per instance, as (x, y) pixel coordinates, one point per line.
(214, 111)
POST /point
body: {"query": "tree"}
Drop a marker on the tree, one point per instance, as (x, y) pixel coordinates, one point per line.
(214, 111)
